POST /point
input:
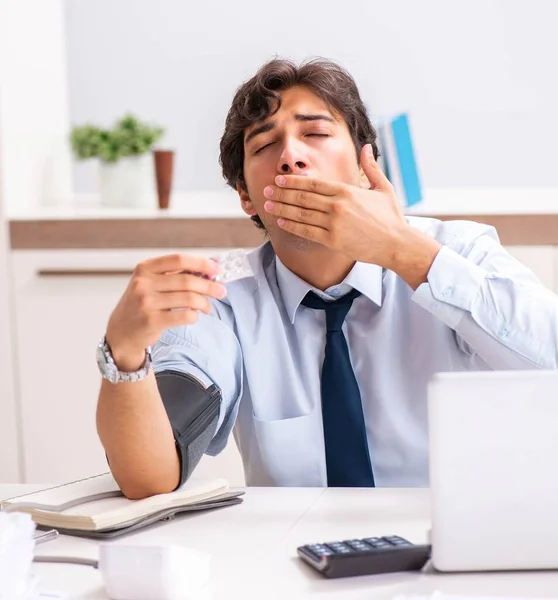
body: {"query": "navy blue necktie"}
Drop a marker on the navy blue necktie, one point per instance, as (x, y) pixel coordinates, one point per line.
(346, 444)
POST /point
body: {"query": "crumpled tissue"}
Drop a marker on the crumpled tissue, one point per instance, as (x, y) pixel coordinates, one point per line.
(16, 555)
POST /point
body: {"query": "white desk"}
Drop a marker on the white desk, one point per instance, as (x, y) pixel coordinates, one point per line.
(253, 547)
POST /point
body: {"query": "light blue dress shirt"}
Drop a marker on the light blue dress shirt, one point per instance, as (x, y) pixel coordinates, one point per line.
(480, 309)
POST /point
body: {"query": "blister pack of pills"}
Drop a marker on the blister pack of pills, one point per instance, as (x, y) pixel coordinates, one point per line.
(234, 265)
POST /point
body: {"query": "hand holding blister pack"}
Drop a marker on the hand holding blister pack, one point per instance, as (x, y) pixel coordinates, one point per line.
(234, 265)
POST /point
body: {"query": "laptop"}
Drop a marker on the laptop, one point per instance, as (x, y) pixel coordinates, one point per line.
(494, 470)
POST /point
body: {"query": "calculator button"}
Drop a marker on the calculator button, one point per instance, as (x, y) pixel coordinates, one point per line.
(397, 541)
(371, 541)
(320, 550)
(339, 547)
(358, 545)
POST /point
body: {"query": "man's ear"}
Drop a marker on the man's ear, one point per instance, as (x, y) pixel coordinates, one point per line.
(364, 182)
(245, 202)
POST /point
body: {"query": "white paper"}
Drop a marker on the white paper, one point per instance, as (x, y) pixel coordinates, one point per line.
(441, 596)
(49, 595)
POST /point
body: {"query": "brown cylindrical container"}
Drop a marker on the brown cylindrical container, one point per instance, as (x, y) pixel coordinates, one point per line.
(164, 162)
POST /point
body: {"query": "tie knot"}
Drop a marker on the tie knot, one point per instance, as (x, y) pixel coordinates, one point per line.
(336, 310)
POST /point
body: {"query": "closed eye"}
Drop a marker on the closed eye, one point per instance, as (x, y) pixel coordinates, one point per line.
(320, 135)
(263, 147)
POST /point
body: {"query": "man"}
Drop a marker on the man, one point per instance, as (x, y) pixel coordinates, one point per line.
(320, 360)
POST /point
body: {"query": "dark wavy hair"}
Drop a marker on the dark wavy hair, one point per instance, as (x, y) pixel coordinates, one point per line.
(257, 99)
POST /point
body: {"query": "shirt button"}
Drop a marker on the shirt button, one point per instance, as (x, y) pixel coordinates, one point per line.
(504, 333)
(335, 293)
(447, 291)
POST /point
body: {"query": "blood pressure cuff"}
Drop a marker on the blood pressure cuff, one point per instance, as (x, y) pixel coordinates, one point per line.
(193, 412)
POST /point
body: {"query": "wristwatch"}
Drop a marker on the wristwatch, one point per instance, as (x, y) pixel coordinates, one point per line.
(110, 371)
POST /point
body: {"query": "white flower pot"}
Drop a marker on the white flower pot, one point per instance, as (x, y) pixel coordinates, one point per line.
(129, 182)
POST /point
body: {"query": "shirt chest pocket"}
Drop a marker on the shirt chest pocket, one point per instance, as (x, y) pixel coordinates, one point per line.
(292, 449)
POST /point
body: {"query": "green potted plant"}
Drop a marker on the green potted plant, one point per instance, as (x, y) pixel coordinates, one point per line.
(126, 176)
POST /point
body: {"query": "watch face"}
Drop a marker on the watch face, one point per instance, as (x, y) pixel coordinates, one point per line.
(101, 360)
(108, 369)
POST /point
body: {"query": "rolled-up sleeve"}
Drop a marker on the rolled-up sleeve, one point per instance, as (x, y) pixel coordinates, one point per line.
(496, 305)
(209, 351)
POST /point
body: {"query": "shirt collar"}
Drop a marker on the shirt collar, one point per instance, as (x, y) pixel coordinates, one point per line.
(364, 277)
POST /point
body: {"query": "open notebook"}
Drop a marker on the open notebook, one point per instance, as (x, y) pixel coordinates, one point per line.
(95, 507)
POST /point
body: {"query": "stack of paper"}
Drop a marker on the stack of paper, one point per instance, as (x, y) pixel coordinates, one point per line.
(16, 555)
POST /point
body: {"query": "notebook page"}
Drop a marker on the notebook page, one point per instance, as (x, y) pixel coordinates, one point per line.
(121, 505)
(66, 492)
(117, 507)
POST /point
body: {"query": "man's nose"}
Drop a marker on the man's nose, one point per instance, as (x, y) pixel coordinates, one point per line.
(292, 160)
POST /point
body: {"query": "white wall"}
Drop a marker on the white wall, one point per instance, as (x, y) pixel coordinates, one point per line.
(477, 76)
(34, 109)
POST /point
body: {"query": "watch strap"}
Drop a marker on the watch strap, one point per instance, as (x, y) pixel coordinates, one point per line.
(110, 370)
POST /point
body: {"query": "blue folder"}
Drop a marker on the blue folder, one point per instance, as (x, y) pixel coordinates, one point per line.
(406, 159)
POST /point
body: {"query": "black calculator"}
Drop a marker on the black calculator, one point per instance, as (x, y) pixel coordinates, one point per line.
(366, 556)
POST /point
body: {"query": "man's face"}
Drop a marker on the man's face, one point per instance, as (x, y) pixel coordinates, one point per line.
(302, 138)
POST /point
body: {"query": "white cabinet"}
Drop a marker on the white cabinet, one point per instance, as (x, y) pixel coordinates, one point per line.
(9, 422)
(63, 300)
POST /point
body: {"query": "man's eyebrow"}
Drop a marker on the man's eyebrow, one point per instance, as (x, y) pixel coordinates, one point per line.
(259, 130)
(316, 117)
